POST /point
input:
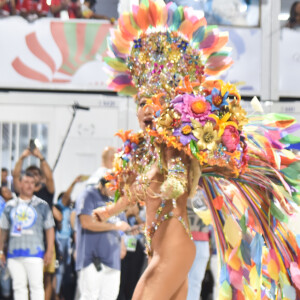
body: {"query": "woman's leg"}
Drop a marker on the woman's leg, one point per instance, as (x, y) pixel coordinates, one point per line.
(167, 271)
(182, 292)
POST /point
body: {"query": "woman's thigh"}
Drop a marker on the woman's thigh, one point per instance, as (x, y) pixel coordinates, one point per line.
(173, 255)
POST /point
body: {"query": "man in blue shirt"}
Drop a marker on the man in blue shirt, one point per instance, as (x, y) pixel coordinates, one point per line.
(98, 247)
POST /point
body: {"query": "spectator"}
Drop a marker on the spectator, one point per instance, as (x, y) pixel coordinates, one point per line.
(5, 193)
(66, 9)
(4, 176)
(294, 19)
(97, 247)
(8, 8)
(34, 9)
(22, 224)
(134, 262)
(87, 11)
(108, 155)
(64, 233)
(5, 280)
(45, 191)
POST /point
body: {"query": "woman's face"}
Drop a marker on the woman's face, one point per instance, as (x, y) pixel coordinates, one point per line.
(145, 114)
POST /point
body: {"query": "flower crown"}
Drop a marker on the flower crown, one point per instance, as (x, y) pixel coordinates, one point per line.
(207, 126)
(156, 45)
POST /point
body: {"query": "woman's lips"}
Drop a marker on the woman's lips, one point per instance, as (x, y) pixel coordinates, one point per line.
(148, 122)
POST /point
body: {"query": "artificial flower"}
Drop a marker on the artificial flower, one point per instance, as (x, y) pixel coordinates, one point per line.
(222, 87)
(191, 107)
(238, 113)
(169, 119)
(188, 86)
(206, 135)
(230, 138)
(223, 123)
(185, 133)
(216, 99)
(124, 135)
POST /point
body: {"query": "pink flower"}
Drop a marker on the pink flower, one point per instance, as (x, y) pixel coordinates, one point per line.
(231, 138)
(191, 107)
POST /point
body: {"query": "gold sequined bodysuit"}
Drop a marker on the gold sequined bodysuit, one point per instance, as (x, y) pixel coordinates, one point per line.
(161, 213)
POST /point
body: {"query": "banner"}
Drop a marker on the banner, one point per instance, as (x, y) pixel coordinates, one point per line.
(51, 54)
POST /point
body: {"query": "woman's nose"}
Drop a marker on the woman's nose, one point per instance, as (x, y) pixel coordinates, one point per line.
(148, 110)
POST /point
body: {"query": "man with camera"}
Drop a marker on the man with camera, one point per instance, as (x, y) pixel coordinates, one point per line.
(98, 246)
(44, 189)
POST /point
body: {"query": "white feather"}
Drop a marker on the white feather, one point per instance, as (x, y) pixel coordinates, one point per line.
(257, 107)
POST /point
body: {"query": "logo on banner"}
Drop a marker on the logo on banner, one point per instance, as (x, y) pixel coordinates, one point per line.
(78, 44)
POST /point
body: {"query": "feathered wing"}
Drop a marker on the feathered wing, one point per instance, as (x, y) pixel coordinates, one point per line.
(258, 252)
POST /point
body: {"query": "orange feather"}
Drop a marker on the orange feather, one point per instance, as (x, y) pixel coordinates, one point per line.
(186, 28)
(142, 18)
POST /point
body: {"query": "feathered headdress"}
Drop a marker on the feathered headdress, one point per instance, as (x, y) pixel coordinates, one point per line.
(156, 45)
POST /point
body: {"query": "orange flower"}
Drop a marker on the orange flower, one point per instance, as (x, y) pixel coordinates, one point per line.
(199, 106)
(123, 135)
(188, 86)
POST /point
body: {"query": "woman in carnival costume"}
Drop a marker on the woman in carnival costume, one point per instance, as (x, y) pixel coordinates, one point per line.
(195, 127)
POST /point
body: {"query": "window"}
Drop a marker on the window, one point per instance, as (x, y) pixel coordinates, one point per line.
(14, 139)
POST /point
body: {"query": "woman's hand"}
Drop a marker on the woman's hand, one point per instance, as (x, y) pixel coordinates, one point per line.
(100, 214)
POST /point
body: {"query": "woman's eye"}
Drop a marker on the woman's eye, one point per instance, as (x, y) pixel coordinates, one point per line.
(142, 104)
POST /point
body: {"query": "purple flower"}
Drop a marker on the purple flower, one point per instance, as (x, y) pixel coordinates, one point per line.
(185, 133)
(191, 107)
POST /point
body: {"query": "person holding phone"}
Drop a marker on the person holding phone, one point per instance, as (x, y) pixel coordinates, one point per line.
(44, 189)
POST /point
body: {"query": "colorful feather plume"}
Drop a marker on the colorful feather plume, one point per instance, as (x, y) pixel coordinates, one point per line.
(259, 254)
(175, 28)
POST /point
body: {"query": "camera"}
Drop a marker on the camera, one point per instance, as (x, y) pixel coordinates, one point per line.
(32, 145)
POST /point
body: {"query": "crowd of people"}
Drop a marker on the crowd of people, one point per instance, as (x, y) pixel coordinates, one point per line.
(55, 249)
(64, 9)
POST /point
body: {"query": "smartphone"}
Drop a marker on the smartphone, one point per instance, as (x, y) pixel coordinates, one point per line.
(97, 263)
(32, 145)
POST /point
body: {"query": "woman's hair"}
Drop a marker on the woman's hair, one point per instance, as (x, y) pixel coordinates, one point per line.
(292, 18)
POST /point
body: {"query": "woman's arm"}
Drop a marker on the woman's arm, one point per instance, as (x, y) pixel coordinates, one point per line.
(105, 212)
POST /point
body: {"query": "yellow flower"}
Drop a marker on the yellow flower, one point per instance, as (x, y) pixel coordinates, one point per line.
(238, 113)
(223, 123)
(230, 88)
(206, 135)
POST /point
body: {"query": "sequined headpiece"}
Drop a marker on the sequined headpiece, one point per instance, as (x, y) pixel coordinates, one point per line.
(156, 45)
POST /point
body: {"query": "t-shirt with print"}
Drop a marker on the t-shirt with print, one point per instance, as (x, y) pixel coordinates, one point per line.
(26, 221)
(90, 244)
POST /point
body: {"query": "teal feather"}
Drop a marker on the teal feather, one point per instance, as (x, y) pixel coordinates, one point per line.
(177, 18)
(198, 35)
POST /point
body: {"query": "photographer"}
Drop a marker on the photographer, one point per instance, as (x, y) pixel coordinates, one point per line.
(44, 189)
